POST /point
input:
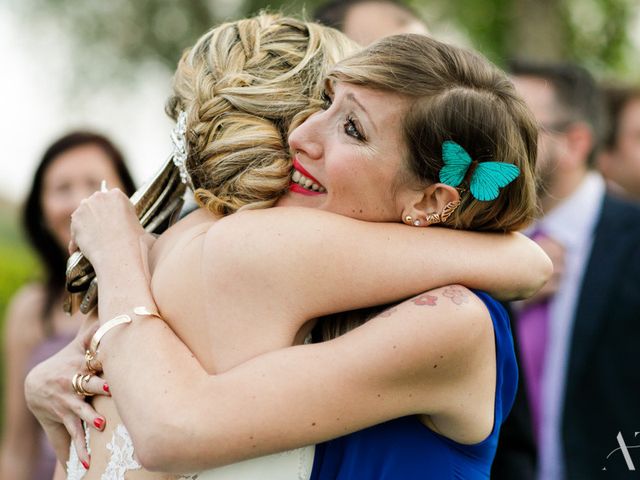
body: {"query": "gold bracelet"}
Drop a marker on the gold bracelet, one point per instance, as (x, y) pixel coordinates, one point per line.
(92, 352)
(145, 312)
(108, 325)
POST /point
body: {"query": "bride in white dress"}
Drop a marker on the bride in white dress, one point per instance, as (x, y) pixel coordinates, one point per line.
(242, 87)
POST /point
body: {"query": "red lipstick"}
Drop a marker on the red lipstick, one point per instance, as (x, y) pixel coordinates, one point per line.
(296, 187)
(303, 171)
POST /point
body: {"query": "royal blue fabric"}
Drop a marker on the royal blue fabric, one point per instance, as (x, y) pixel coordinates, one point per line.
(405, 449)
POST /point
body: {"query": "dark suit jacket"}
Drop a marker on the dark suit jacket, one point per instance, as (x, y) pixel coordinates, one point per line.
(602, 395)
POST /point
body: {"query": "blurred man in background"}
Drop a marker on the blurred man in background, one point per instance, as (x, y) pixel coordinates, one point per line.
(577, 339)
(619, 161)
(366, 21)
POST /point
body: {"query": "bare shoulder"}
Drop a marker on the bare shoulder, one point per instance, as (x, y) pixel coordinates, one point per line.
(440, 346)
(23, 323)
(28, 301)
(452, 315)
(437, 337)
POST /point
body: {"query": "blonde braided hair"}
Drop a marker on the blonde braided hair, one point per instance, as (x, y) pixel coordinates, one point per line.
(244, 86)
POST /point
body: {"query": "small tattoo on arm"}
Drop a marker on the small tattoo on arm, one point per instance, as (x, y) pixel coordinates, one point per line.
(387, 313)
(457, 295)
(425, 299)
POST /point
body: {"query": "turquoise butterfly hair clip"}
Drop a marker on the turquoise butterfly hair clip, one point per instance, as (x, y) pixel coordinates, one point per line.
(487, 179)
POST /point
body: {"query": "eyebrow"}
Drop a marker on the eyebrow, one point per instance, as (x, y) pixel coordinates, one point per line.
(351, 97)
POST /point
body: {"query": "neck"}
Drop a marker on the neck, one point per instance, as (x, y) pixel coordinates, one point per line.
(562, 189)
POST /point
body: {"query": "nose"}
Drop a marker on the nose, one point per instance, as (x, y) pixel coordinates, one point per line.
(306, 138)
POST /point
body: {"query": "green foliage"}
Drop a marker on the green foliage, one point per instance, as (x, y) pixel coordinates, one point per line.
(113, 38)
(599, 33)
(17, 267)
(488, 23)
(592, 32)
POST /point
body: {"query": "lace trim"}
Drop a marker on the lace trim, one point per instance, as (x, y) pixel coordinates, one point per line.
(121, 460)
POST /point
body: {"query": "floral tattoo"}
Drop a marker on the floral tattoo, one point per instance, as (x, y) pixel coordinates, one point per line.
(457, 295)
(425, 299)
(387, 313)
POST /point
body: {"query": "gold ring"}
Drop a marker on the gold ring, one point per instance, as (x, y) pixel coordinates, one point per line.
(84, 380)
(88, 358)
(76, 384)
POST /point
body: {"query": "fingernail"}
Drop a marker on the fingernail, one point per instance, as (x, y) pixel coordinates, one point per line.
(85, 465)
(99, 423)
(105, 387)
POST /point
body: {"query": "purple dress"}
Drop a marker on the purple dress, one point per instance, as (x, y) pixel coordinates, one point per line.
(46, 460)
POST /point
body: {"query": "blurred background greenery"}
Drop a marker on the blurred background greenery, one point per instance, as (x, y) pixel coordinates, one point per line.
(124, 34)
(112, 42)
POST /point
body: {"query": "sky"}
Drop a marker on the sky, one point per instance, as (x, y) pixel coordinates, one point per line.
(36, 110)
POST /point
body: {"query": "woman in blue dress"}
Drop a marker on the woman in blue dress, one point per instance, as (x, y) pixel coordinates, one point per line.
(414, 130)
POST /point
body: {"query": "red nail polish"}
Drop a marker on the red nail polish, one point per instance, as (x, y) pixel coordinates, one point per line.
(105, 387)
(99, 423)
(85, 465)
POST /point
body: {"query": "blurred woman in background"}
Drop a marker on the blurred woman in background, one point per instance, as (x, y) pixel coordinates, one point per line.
(36, 326)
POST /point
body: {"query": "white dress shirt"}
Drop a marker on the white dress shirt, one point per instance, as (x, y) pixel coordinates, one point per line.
(572, 224)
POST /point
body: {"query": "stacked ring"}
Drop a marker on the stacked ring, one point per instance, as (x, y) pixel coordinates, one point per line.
(90, 356)
(78, 382)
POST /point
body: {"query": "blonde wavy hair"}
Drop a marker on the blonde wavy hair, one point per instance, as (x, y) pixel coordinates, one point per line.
(244, 85)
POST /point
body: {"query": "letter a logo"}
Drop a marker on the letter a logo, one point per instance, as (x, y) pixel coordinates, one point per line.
(625, 451)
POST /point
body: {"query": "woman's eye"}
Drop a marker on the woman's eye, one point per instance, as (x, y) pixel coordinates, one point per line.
(351, 129)
(326, 101)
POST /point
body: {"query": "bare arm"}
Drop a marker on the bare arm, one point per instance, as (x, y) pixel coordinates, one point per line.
(335, 263)
(299, 395)
(19, 445)
(124, 285)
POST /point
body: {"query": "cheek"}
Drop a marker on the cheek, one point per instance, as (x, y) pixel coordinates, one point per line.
(630, 150)
(57, 217)
(57, 208)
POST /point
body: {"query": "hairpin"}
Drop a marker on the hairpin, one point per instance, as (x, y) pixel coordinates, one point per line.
(486, 180)
(179, 155)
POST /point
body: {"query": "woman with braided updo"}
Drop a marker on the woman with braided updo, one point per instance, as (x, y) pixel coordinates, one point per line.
(245, 85)
(238, 290)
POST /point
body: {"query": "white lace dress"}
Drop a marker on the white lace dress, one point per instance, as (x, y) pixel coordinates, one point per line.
(290, 465)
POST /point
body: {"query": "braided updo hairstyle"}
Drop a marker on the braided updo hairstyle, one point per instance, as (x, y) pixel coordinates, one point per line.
(244, 85)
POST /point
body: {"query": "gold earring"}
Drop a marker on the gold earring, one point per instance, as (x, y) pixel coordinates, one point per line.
(433, 218)
(448, 210)
(408, 220)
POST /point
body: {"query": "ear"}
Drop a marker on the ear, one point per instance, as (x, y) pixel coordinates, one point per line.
(580, 142)
(431, 200)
